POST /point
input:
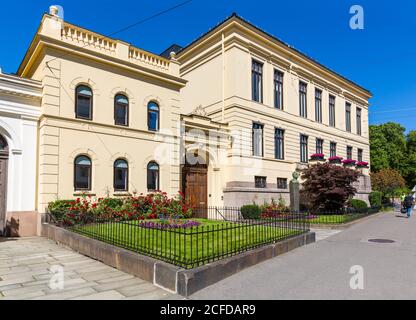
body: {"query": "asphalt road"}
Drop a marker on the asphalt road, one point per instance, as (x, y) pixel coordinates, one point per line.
(322, 270)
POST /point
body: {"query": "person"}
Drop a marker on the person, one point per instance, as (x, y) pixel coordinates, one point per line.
(408, 203)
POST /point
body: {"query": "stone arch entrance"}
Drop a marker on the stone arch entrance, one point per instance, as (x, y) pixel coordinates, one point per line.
(4, 158)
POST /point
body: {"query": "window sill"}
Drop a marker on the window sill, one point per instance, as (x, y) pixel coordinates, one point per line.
(81, 193)
(122, 194)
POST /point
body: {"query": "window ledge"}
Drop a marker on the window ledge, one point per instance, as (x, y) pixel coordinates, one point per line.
(84, 193)
(122, 194)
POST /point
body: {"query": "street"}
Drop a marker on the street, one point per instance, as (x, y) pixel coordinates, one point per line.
(322, 270)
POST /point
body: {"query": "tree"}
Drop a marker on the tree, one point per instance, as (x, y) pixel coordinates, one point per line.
(387, 181)
(388, 147)
(328, 186)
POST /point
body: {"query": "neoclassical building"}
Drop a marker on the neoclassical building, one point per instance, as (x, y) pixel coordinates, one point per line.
(280, 106)
(19, 112)
(226, 119)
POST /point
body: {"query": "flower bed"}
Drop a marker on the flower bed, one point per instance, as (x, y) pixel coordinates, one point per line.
(142, 207)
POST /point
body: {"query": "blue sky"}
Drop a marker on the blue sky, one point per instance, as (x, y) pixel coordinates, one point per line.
(381, 58)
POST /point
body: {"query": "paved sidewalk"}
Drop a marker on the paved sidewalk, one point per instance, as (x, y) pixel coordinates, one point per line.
(25, 274)
(322, 270)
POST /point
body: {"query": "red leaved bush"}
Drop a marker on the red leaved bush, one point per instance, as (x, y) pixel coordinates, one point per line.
(328, 186)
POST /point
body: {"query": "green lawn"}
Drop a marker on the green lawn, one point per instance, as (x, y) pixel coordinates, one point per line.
(335, 218)
(188, 248)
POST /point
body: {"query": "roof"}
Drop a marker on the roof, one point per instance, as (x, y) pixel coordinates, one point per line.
(236, 16)
(173, 48)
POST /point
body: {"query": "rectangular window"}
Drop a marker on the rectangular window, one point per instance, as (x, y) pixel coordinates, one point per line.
(333, 149)
(302, 99)
(279, 143)
(319, 146)
(358, 121)
(260, 182)
(257, 81)
(348, 116)
(349, 152)
(332, 111)
(278, 89)
(360, 155)
(303, 148)
(281, 183)
(257, 139)
(318, 105)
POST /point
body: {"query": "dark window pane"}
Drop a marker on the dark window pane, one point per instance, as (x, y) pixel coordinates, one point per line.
(121, 175)
(281, 183)
(349, 152)
(332, 111)
(278, 89)
(153, 116)
(260, 182)
(319, 146)
(302, 99)
(358, 121)
(153, 176)
(318, 105)
(348, 117)
(333, 149)
(82, 173)
(121, 105)
(303, 148)
(257, 81)
(360, 155)
(84, 102)
(279, 144)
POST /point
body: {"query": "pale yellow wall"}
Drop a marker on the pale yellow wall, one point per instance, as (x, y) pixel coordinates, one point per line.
(62, 137)
(241, 111)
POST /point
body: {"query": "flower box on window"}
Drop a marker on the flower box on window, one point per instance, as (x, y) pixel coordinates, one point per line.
(348, 162)
(362, 164)
(317, 157)
(335, 160)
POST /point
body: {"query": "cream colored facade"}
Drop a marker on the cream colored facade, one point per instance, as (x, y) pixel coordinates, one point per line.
(206, 109)
(218, 69)
(63, 56)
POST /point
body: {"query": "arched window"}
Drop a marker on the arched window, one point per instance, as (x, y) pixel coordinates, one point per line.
(83, 102)
(152, 176)
(82, 174)
(121, 110)
(153, 116)
(121, 175)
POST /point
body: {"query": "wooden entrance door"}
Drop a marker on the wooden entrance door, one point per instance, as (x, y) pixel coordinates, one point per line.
(195, 188)
(4, 156)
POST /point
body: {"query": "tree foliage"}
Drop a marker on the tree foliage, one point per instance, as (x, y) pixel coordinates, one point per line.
(328, 186)
(390, 148)
(387, 181)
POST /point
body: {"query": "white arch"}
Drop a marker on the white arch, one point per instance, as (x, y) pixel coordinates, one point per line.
(11, 136)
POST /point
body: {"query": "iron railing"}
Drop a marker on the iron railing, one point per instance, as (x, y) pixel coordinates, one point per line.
(194, 246)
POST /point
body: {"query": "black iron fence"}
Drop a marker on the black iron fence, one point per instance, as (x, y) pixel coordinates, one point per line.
(339, 216)
(192, 243)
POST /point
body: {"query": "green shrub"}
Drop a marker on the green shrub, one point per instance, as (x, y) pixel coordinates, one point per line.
(358, 204)
(59, 207)
(375, 198)
(251, 211)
